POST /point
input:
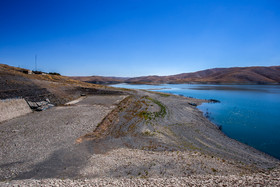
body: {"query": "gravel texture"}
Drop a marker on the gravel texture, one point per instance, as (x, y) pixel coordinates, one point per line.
(260, 179)
(43, 143)
(146, 139)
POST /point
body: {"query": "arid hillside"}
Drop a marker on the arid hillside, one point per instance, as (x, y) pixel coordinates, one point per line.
(235, 75)
(100, 79)
(16, 82)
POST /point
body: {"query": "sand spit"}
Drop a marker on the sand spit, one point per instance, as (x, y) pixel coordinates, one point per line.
(146, 138)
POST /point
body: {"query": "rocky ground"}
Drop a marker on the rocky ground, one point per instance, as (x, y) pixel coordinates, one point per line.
(260, 179)
(143, 139)
(43, 143)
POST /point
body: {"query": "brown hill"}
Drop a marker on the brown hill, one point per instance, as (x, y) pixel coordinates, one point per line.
(235, 75)
(16, 82)
(100, 79)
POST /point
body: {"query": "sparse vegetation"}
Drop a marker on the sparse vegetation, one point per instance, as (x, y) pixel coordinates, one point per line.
(164, 94)
(153, 115)
(38, 72)
(148, 133)
(162, 111)
(54, 73)
(146, 115)
(213, 169)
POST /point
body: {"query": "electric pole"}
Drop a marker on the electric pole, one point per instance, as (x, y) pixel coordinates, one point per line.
(35, 62)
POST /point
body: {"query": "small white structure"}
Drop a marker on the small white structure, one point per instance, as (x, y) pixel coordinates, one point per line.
(11, 108)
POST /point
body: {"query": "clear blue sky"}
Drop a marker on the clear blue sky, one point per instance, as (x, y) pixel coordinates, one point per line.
(138, 37)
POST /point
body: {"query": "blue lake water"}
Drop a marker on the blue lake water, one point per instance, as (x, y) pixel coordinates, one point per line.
(247, 113)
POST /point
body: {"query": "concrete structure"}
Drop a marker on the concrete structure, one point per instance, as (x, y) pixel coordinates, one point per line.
(11, 108)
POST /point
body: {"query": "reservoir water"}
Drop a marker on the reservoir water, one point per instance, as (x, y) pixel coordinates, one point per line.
(247, 113)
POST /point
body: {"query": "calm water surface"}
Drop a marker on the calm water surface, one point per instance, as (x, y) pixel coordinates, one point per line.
(247, 113)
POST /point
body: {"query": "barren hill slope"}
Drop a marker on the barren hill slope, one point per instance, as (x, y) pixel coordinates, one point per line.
(235, 75)
(15, 82)
(100, 79)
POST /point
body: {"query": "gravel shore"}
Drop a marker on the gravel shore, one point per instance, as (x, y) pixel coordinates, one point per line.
(145, 139)
(45, 141)
(261, 179)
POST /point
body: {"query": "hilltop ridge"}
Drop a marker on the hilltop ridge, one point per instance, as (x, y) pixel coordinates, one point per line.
(234, 75)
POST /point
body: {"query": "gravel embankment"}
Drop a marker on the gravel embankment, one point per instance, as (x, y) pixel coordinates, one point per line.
(43, 143)
(261, 179)
(152, 140)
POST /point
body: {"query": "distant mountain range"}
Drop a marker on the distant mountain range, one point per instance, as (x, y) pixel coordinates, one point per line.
(234, 75)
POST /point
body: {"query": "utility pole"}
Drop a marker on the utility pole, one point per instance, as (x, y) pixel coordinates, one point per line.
(35, 62)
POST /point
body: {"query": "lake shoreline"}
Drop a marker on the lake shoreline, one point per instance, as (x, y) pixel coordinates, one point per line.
(146, 136)
(244, 112)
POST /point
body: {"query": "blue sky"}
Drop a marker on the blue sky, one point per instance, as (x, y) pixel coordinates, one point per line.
(139, 37)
